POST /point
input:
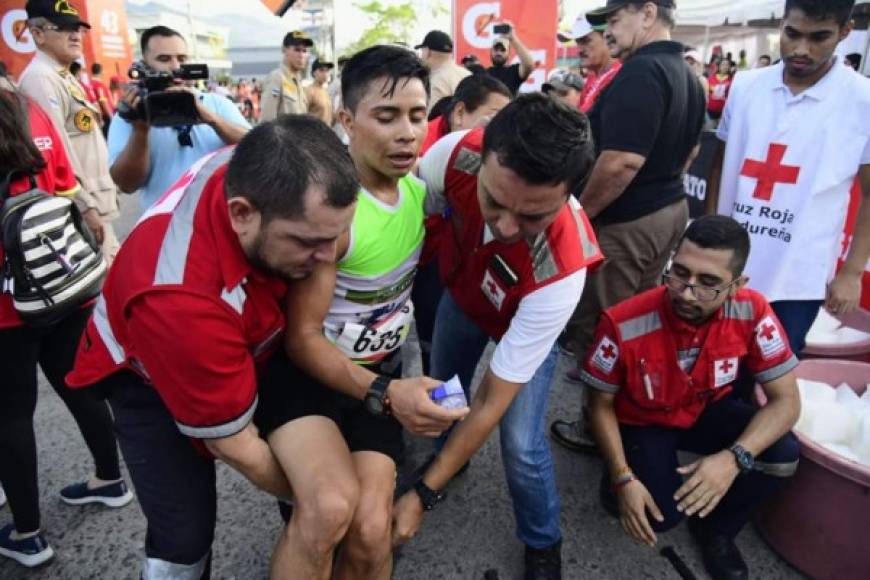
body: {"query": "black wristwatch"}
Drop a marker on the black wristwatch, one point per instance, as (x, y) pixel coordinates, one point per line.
(745, 460)
(376, 400)
(428, 496)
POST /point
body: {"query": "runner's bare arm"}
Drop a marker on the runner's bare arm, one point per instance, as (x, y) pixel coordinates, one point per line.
(308, 303)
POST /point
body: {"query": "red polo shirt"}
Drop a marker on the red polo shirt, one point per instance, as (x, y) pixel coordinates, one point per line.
(664, 370)
(183, 307)
(56, 177)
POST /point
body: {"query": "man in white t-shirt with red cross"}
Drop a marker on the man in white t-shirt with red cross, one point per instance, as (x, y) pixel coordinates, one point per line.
(797, 136)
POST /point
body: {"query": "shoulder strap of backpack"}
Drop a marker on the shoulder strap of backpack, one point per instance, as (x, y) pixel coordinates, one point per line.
(10, 177)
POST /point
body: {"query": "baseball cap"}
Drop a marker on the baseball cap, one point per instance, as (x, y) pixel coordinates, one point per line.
(318, 64)
(563, 83)
(581, 28)
(60, 13)
(437, 41)
(297, 37)
(599, 16)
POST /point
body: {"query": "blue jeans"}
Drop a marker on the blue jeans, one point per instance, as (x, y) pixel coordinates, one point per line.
(457, 346)
(797, 316)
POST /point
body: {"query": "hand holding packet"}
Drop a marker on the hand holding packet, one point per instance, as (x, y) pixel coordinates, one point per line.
(450, 395)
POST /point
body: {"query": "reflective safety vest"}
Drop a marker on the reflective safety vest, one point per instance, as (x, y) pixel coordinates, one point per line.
(656, 391)
(488, 280)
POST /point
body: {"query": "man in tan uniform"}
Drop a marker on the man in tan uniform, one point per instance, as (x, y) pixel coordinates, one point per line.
(57, 30)
(437, 53)
(282, 90)
(317, 94)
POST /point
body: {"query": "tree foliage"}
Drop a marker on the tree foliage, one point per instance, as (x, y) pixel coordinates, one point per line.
(391, 23)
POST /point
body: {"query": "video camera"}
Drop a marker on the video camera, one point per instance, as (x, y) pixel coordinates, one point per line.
(162, 108)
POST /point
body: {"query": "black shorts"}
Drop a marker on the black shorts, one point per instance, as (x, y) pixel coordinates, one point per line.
(286, 393)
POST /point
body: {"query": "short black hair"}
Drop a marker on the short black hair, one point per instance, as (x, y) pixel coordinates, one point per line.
(719, 232)
(766, 57)
(543, 141)
(473, 91)
(396, 63)
(274, 165)
(96, 69)
(854, 60)
(74, 67)
(838, 10)
(150, 33)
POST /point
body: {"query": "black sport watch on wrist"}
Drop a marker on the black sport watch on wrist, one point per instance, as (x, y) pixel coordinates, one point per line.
(428, 496)
(745, 460)
(376, 401)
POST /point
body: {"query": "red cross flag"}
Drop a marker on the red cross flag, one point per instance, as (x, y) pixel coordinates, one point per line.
(724, 371)
(605, 356)
(769, 338)
(492, 290)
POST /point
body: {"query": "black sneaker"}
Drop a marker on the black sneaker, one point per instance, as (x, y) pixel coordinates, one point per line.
(544, 564)
(574, 436)
(722, 558)
(29, 552)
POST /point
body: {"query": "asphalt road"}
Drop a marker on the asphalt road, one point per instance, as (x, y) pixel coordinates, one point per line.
(471, 533)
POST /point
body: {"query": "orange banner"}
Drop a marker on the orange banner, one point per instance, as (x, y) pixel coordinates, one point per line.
(278, 7)
(107, 42)
(535, 22)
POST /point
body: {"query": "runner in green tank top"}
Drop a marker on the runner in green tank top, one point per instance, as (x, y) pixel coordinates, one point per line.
(337, 426)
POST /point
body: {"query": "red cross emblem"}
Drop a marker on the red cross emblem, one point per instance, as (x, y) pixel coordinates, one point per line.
(726, 366)
(608, 351)
(767, 331)
(493, 289)
(770, 172)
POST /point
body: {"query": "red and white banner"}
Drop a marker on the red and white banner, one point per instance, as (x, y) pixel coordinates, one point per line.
(108, 41)
(536, 24)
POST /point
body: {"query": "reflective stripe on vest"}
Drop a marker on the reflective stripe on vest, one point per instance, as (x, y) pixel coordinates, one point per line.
(640, 326)
(176, 241)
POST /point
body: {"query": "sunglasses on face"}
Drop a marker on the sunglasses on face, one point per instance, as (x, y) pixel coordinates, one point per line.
(65, 28)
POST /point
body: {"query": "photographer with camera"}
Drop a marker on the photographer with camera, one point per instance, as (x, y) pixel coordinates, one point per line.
(163, 126)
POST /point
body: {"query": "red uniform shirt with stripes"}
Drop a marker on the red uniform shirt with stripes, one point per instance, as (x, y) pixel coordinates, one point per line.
(184, 308)
(57, 178)
(664, 371)
(489, 279)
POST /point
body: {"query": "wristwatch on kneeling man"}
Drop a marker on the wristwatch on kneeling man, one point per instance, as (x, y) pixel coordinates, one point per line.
(745, 460)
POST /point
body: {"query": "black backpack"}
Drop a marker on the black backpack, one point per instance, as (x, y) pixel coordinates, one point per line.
(52, 263)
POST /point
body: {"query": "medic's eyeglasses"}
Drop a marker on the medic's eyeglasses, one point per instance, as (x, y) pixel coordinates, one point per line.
(699, 291)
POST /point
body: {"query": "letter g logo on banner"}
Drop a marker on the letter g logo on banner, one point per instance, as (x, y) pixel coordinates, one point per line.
(15, 33)
(472, 19)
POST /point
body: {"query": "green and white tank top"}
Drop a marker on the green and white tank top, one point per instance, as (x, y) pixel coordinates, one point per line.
(370, 312)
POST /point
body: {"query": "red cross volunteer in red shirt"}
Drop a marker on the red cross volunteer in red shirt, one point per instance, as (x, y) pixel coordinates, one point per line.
(193, 307)
(662, 367)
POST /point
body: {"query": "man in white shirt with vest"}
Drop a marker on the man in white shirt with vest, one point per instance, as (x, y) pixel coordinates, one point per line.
(797, 135)
(514, 270)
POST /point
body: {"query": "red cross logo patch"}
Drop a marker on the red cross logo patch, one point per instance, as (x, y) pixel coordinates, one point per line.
(605, 356)
(769, 339)
(492, 290)
(770, 172)
(724, 371)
